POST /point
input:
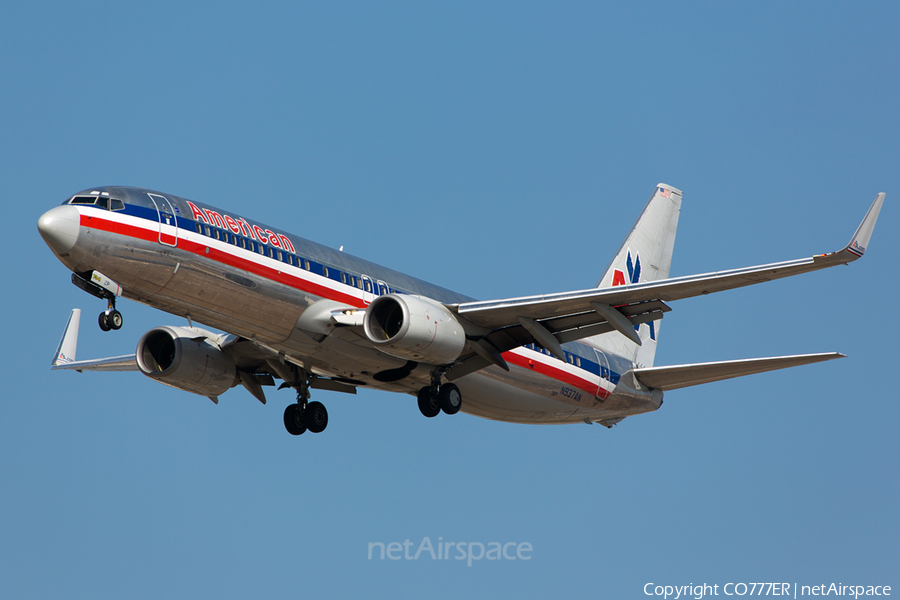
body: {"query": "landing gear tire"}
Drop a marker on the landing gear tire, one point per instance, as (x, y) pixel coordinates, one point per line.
(103, 321)
(293, 421)
(428, 403)
(315, 417)
(110, 319)
(450, 398)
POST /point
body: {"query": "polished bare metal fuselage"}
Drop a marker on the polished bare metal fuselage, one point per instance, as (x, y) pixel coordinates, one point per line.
(202, 279)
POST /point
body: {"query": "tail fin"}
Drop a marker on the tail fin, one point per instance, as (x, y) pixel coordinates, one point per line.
(645, 255)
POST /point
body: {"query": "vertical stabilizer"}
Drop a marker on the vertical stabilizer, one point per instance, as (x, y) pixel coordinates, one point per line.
(645, 255)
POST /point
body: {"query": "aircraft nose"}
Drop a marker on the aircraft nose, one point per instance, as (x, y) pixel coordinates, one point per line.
(59, 227)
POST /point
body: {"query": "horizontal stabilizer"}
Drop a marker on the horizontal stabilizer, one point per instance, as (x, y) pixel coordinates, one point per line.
(679, 376)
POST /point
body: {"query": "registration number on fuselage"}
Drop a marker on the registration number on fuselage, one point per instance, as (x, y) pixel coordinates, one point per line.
(571, 393)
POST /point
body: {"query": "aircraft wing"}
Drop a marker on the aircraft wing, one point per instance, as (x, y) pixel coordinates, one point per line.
(65, 352)
(569, 316)
(679, 376)
(257, 363)
(125, 362)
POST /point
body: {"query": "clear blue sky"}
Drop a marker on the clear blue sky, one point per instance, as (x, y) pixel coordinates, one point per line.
(499, 150)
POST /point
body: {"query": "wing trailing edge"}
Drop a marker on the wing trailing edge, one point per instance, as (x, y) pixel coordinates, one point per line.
(680, 376)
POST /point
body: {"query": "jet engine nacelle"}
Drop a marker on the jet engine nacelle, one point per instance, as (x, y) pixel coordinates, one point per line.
(187, 359)
(414, 328)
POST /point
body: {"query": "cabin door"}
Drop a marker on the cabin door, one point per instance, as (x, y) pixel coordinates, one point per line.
(603, 362)
(168, 222)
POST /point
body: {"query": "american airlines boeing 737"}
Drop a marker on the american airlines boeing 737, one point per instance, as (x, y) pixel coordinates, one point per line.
(318, 318)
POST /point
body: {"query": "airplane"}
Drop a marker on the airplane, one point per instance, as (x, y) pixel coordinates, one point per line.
(318, 318)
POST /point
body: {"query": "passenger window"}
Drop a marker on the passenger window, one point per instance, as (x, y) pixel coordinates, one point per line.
(306, 265)
(368, 285)
(359, 283)
(343, 277)
(324, 270)
(261, 249)
(199, 228)
(577, 361)
(206, 229)
(216, 234)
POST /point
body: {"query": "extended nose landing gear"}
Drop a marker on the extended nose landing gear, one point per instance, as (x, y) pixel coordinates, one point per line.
(101, 286)
(305, 415)
(110, 318)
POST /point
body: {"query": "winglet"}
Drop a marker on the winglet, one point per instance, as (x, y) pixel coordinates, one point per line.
(68, 343)
(860, 239)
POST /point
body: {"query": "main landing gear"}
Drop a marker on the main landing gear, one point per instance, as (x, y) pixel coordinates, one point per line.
(439, 397)
(299, 418)
(305, 415)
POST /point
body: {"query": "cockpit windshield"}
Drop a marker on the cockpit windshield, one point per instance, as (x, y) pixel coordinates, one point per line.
(99, 200)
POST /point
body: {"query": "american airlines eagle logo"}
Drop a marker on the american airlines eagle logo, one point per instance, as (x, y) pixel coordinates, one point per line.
(634, 271)
(634, 276)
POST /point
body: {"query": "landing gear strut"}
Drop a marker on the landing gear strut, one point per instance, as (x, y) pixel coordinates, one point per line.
(304, 415)
(439, 397)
